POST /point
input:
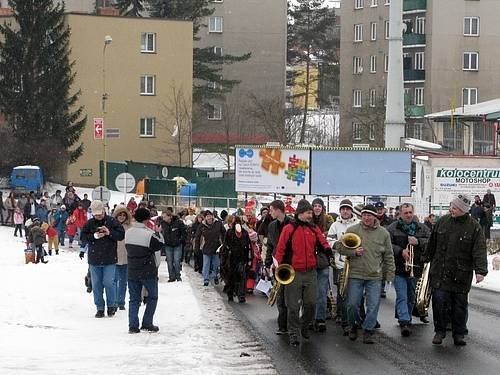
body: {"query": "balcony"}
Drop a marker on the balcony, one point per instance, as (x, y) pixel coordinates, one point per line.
(413, 39)
(413, 75)
(412, 5)
(414, 111)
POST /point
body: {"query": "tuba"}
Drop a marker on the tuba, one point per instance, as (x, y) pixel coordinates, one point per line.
(423, 291)
(350, 241)
(283, 275)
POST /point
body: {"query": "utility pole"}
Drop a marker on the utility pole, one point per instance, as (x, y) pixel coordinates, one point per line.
(107, 40)
(395, 106)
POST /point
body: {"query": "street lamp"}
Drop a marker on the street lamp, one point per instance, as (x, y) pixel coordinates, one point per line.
(107, 40)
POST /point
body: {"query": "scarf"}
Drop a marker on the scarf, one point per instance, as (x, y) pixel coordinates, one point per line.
(409, 229)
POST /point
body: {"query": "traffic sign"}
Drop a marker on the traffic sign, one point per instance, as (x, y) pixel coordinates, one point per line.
(125, 182)
(101, 193)
(98, 128)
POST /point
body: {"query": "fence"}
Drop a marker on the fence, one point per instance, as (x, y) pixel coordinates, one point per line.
(181, 201)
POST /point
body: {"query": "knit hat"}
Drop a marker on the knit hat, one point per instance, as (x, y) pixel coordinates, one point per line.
(97, 207)
(462, 202)
(142, 214)
(357, 209)
(379, 205)
(369, 209)
(303, 206)
(346, 203)
(318, 201)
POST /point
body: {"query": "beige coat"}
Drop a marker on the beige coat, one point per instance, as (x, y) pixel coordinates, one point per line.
(120, 246)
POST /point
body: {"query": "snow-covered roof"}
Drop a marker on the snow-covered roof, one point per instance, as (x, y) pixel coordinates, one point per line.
(27, 167)
(488, 109)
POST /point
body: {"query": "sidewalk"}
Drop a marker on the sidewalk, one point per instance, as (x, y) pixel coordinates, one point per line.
(48, 325)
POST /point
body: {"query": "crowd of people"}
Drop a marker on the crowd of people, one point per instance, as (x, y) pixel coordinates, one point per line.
(124, 246)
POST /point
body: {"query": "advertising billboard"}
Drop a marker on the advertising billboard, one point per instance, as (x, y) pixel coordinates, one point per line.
(272, 170)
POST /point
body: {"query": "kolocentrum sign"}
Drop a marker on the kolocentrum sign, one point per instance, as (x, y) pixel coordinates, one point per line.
(449, 182)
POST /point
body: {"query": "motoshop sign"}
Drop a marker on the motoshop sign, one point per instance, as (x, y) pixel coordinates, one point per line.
(449, 182)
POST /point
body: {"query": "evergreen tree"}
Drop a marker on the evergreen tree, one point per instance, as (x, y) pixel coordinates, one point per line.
(36, 77)
(311, 41)
(132, 8)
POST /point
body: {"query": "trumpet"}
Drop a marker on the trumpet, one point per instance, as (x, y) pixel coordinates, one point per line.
(350, 241)
(284, 275)
(409, 263)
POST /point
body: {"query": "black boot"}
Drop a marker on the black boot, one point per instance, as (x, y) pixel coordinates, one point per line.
(44, 261)
(57, 252)
(50, 252)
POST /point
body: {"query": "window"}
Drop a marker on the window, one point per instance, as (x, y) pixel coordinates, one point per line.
(357, 63)
(356, 131)
(356, 100)
(219, 51)
(419, 96)
(420, 61)
(358, 32)
(374, 3)
(373, 31)
(148, 42)
(471, 61)
(147, 127)
(373, 64)
(217, 1)
(215, 112)
(420, 25)
(358, 4)
(387, 2)
(147, 85)
(471, 26)
(386, 63)
(385, 97)
(372, 131)
(215, 24)
(373, 98)
(469, 96)
(386, 28)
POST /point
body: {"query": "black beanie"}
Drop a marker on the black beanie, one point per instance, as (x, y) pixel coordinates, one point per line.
(142, 214)
(318, 201)
(303, 206)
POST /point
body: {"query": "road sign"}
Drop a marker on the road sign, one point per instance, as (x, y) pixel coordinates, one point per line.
(102, 193)
(125, 182)
(112, 133)
(98, 128)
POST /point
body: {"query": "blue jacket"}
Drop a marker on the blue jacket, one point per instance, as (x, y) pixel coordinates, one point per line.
(60, 220)
(42, 213)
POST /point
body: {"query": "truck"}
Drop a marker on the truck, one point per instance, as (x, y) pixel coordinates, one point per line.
(26, 178)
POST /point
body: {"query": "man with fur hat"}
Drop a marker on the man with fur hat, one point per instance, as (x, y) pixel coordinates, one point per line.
(297, 246)
(101, 234)
(369, 263)
(337, 230)
(456, 250)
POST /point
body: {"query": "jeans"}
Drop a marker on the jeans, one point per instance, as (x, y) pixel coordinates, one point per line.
(121, 283)
(174, 257)
(214, 261)
(20, 228)
(103, 278)
(355, 290)
(303, 288)
(62, 235)
(282, 310)
(135, 289)
(323, 285)
(443, 302)
(405, 297)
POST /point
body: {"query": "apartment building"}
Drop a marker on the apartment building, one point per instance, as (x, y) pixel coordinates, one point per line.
(449, 60)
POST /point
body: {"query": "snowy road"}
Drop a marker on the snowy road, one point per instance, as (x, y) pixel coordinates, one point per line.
(48, 325)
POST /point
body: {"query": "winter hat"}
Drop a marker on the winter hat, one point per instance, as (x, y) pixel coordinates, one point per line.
(379, 205)
(369, 209)
(318, 201)
(357, 209)
(264, 208)
(63, 207)
(346, 203)
(462, 202)
(303, 206)
(142, 214)
(97, 207)
(208, 212)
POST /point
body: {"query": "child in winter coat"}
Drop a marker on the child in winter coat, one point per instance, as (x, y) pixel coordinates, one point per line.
(71, 229)
(53, 239)
(18, 222)
(37, 236)
(60, 218)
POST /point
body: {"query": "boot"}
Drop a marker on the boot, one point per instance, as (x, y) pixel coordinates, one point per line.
(320, 326)
(50, 252)
(438, 339)
(368, 337)
(405, 330)
(44, 261)
(57, 252)
(458, 340)
(353, 335)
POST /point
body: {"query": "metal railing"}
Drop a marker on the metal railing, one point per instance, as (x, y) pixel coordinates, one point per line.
(182, 201)
(410, 5)
(413, 39)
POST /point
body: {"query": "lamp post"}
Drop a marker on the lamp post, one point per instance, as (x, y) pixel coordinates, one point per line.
(107, 41)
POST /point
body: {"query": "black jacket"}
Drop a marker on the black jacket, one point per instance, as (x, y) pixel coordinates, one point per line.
(102, 251)
(273, 235)
(399, 241)
(174, 233)
(209, 237)
(141, 244)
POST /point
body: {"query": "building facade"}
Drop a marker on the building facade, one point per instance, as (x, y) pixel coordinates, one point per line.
(137, 72)
(449, 61)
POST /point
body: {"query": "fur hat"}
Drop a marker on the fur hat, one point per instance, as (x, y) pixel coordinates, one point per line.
(318, 201)
(346, 203)
(303, 206)
(462, 202)
(97, 207)
(369, 209)
(142, 214)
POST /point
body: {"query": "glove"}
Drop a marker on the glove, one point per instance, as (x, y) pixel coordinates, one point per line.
(82, 254)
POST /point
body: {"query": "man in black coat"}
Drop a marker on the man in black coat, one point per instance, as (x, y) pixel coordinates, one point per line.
(101, 233)
(174, 233)
(208, 239)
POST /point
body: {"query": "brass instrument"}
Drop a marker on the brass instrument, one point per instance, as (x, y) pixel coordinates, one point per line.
(283, 275)
(409, 263)
(350, 241)
(423, 291)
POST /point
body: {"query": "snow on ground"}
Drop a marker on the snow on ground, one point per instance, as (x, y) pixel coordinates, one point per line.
(492, 280)
(48, 325)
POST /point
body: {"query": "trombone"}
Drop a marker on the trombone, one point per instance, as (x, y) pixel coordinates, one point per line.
(409, 263)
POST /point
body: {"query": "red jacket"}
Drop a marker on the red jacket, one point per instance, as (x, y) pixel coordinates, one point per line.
(303, 245)
(81, 217)
(51, 232)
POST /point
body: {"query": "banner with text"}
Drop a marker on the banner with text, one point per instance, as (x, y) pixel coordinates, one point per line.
(273, 170)
(449, 182)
